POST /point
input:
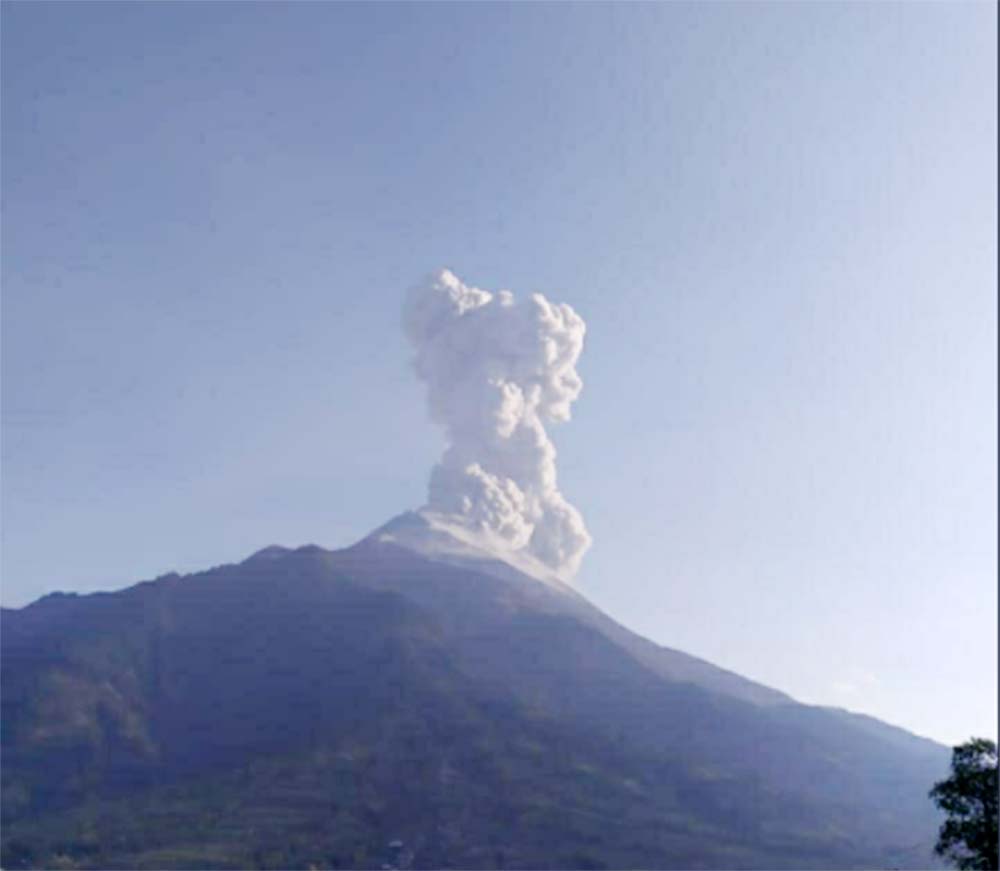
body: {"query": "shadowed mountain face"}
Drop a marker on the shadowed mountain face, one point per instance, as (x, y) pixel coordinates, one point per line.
(309, 707)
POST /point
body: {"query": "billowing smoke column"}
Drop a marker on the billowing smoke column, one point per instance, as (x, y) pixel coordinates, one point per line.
(497, 371)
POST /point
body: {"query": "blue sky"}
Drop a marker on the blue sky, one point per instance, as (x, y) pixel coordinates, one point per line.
(779, 222)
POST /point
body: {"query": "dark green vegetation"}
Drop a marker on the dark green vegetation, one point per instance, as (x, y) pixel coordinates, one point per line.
(969, 797)
(308, 707)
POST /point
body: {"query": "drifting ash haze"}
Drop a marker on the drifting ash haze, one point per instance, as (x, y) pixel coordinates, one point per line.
(497, 371)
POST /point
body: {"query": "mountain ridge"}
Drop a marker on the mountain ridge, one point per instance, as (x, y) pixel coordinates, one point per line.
(383, 653)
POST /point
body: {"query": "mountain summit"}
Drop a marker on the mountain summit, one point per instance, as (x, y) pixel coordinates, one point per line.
(441, 537)
(419, 700)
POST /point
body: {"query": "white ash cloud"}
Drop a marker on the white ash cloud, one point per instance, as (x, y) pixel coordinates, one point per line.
(497, 371)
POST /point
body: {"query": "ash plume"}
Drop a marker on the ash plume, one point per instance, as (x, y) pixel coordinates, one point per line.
(497, 371)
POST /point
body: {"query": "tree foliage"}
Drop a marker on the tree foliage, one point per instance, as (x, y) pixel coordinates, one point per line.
(969, 797)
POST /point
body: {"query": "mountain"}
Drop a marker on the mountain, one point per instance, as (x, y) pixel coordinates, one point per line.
(416, 701)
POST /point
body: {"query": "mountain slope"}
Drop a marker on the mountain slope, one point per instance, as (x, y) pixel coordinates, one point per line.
(310, 706)
(554, 596)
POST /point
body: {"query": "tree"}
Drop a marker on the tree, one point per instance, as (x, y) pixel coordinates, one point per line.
(969, 836)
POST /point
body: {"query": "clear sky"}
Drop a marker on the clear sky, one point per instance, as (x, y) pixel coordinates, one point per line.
(779, 222)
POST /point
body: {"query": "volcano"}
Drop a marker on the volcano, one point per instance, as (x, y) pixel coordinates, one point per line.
(421, 699)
